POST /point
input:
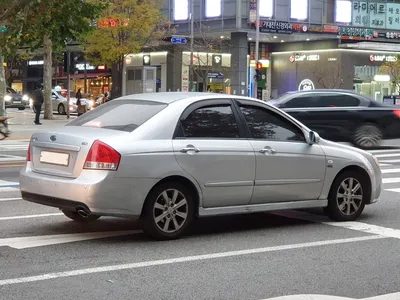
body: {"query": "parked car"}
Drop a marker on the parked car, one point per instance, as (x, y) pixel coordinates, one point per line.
(343, 116)
(59, 103)
(170, 157)
(13, 99)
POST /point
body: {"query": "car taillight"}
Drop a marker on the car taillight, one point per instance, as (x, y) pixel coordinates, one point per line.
(102, 157)
(28, 155)
(397, 113)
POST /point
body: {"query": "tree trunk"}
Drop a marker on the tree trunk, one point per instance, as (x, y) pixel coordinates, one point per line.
(47, 77)
(116, 72)
(2, 85)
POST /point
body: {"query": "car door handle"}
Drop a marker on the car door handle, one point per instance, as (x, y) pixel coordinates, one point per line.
(268, 150)
(190, 148)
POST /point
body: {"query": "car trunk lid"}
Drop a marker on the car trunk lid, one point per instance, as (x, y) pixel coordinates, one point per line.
(63, 152)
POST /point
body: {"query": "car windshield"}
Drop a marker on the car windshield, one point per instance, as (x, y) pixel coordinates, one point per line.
(121, 115)
(11, 91)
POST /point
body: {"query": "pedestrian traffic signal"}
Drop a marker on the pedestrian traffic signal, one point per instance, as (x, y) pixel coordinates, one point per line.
(258, 75)
(258, 66)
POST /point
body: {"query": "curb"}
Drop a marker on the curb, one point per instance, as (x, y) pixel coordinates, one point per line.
(14, 163)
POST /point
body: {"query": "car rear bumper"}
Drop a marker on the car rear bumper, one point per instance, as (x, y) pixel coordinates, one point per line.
(98, 192)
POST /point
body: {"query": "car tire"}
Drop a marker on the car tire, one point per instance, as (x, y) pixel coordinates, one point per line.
(73, 215)
(167, 219)
(345, 205)
(21, 108)
(367, 136)
(61, 109)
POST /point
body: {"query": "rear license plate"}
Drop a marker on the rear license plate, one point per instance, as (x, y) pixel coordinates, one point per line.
(16, 101)
(54, 158)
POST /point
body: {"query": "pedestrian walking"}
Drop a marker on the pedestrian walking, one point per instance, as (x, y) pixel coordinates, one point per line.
(81, 107)
(37, 98)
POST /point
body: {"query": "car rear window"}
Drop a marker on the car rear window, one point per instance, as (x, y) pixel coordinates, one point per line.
(121, 115)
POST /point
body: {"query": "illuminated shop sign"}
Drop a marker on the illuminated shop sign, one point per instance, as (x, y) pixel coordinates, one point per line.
(81, 67)
(306, 85)
(311, 57)
(276, 27)
(35, 62)
(382, 58)
(351, 31)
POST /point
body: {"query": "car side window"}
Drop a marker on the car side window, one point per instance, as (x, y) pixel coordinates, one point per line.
(211, 122)
(267, 125)
(338, 100)
(301, 101)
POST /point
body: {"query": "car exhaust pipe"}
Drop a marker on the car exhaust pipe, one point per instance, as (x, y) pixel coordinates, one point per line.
(84, 214)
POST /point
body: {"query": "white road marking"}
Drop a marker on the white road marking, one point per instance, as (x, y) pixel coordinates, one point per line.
(384, 165)
(388, 171)
(4, 183)
(384, 151)
(9, 189)
(390, 161)
(46, 240)
(394, 296)
(393, 190)
(391, 180)
(357, 226)
(387, 155)
(9, 199)
(183, 259)
(30, 216)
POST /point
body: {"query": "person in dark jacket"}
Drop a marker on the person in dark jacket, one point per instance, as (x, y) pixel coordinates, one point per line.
(37, 98)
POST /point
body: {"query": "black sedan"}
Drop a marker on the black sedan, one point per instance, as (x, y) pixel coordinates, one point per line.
(343, 116)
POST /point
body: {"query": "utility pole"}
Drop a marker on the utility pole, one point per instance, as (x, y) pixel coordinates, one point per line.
(68, 79)
(255, 82)
(191, 74)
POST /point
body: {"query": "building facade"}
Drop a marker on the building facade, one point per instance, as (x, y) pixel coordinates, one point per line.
(299, 41)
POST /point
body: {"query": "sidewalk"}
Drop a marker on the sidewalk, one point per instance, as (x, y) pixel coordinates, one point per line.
(21, 123)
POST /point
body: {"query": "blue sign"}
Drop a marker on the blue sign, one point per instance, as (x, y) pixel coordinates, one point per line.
(216, 75)
(178, 40)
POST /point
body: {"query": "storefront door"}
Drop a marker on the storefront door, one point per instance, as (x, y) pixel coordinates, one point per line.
(149, 79)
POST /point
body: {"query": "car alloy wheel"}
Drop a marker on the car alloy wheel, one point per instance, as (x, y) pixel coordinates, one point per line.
(170, 211)
(367, 136)
(346, 200)
(61, 109)
(349, 196)
(167, 211)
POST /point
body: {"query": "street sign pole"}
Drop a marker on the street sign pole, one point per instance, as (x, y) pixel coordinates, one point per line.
(191, 45)
(255, 83)
(68, 80)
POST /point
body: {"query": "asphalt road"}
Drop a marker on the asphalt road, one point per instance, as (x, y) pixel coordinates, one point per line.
(44, 255)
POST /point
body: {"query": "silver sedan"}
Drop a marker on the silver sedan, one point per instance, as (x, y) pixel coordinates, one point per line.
(170, 157)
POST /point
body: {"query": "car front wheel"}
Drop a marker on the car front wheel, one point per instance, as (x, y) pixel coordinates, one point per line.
(168, 211)
(347, 196)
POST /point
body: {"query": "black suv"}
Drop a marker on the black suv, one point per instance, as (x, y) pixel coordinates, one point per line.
(343, 116)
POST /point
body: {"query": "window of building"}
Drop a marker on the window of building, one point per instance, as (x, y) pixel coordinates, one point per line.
(213, 8)
(211, 122)
(266, 8)
(181, 10)
(299, 9)
(343, 11)
(267, 125)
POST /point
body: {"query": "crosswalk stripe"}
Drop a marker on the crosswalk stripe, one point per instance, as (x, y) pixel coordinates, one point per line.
(384, 151)
(387, 155)
(388, 171)
(391, 180)
(397, 190)
(391, 161)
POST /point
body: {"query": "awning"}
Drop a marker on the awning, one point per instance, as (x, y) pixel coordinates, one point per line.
(88, 76)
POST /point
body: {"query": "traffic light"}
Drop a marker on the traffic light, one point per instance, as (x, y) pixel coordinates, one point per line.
(258, 66)
(258, 75)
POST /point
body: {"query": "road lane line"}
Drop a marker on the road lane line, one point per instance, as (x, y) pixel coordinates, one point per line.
(9, 199)
(387, 155)
(390, 161)
(357, 226)
(30, 216)
(394, 296)
(46, 240)
(183, 259)
(393, 190)
(384, 151)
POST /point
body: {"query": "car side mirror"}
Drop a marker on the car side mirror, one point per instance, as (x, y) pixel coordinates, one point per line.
(313, 138)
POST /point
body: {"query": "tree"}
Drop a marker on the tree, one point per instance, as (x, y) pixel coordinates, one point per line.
(392, 68)
(124, 28)
(48, 24)
(327, 77)
(14, 66)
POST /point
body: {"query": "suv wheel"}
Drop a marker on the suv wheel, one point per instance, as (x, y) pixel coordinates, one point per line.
(367, 136)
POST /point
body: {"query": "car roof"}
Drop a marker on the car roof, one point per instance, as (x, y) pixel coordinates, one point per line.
(169, 97)
(324, 91)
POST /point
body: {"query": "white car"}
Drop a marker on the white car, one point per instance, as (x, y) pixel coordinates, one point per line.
(59, 103)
